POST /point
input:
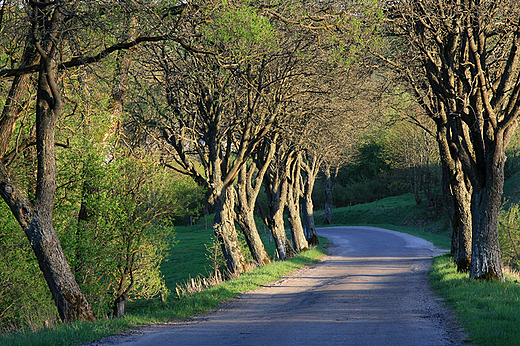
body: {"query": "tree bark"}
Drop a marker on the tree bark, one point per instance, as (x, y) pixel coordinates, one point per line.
(276, 192)
(298, 236)
(460, 190)
(225, 230)
(308, 215)
(486, 203)
(327, 213)
(293, 205)
(247, 196)
(311, 171)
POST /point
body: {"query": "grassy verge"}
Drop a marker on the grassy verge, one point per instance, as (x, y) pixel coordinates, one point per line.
(79, 333)
(489, 311)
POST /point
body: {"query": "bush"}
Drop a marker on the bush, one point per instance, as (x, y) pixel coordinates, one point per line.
(21, 307)
(509, 233)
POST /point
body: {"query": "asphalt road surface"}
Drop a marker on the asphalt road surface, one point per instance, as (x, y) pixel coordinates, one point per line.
(371, 290)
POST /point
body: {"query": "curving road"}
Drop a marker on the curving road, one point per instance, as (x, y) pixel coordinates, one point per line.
(371, 290)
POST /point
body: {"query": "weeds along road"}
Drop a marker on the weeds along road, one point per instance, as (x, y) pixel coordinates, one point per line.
(371, 290)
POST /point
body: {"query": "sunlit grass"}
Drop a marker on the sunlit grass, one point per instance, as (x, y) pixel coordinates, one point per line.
(173, 309)
(489, 311)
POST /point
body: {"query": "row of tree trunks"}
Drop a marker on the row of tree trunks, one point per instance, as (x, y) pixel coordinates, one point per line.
(474, 99)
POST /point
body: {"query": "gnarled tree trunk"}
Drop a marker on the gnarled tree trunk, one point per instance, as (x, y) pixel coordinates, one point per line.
(246, 213)
(460, 190)
(293, 205)
(225, 230)
(276, 192)
(327, 213)
(311, 167)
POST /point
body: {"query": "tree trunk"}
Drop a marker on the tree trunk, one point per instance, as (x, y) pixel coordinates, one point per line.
(311, 166)
(462, 227)
(280, 237)
(119, 306)
(293, 204)
(36, 217)
(246, 221)
(276, 196)
(70, 301)
(460, 189)
(298, 236)
(486, 203)
(308, 214)
(308, 210)
(246, 217)
(225, 230)
(460, 199)
(327, 213)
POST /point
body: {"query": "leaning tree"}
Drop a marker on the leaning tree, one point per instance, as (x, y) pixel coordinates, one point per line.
(47, 39)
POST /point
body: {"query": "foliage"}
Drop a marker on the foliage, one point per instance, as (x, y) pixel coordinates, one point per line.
(21, 307)
(509, 232)
(80, 333)
(120, 211)
(237, 26)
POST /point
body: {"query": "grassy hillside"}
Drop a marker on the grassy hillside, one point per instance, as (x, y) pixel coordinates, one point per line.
(399, 213)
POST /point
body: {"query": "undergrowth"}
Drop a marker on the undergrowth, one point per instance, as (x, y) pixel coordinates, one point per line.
(173, 309)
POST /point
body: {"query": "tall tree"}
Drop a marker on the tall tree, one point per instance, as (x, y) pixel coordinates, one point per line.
(56, 35)
(35, 216)
(466, 76)
(222, 99)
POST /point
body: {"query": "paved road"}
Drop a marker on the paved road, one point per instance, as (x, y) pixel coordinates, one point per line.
(371, 290)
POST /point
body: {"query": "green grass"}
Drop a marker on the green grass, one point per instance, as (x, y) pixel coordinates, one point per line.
(188, 256)
(489, 311)
(174, 309)
(399, 213)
